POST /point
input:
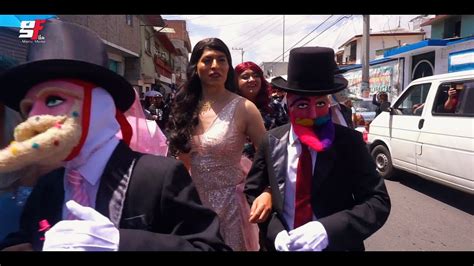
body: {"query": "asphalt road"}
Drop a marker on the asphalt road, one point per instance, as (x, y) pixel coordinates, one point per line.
(425, 216)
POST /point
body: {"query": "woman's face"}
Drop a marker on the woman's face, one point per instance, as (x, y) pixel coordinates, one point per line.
(212, 68)
(250, 83)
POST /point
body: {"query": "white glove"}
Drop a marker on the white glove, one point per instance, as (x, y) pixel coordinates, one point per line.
(93, 232)
(309, 237)
(282, 240)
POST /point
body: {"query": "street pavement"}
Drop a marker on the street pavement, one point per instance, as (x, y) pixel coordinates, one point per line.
(425, 216)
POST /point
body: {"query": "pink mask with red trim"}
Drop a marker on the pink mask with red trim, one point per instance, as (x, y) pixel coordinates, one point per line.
(67, 120)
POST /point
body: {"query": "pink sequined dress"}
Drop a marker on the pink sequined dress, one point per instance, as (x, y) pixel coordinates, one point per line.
(220, 179)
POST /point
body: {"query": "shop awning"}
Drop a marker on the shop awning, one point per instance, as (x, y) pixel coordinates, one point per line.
(415, 48)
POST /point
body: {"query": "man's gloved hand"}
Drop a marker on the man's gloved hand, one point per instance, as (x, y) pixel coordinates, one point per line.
(308, 237)
(282, 240)
(93, 232)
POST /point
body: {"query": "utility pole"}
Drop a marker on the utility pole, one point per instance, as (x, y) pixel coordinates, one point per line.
(242, 51)
(365, 53)
(283, 53)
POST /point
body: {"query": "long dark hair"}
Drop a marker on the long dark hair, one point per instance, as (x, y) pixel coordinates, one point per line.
(263, 97)
(184, 110)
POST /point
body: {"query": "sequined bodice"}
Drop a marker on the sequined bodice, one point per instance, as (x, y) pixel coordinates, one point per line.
(217, 152)
(218, 176)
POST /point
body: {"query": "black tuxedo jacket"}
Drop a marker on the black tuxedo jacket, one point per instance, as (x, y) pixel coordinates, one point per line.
(151, 199)
(348, 195)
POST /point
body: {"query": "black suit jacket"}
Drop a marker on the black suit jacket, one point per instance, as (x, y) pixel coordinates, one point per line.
(348, 195)
(151, 199)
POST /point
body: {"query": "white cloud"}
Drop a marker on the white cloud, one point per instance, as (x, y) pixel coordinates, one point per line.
(261, 36)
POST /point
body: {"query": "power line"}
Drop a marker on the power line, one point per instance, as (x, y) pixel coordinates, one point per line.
(242, 22)
(269, 30)
(310, 32)
(294, 24)
(344, 17)
(340, 33)
(353, 27)
(286, 30)
(264, 29)
(319, 25)
(254, 29)
(269, 26)
(289, 49)
(337, 21)
(291, 26)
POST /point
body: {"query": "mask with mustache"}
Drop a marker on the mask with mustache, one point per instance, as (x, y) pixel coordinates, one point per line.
(311, 120)
(53, 131)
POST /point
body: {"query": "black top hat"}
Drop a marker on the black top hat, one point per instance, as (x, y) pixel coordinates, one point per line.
(312, 71)
(68, 51)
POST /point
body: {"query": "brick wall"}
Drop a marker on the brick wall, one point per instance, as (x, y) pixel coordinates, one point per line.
(112, 28)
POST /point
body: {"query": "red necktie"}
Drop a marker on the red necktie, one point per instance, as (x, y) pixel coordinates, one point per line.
(304, 174)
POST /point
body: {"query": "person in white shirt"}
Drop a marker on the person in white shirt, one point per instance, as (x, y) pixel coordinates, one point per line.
(326, 192)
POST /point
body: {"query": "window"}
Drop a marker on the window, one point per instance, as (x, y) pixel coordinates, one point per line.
(455, 98)
(414, 101)
(148, 42)
(129, 20)
(452, 27)
(353, 54)
(457, 29)
(114, 65)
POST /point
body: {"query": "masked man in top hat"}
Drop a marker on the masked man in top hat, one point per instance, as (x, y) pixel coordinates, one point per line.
(104, 196)
(326, 193)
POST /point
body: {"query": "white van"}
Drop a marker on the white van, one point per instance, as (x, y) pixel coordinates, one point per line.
(429, 133)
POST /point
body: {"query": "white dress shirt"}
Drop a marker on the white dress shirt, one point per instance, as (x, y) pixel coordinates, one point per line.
(91, 171)
(294, 150)
(98, 147)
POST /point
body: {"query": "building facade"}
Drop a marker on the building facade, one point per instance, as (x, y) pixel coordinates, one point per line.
(182, 43)
(379, 43)
(164, 56)
(451, 48)
(149, 78)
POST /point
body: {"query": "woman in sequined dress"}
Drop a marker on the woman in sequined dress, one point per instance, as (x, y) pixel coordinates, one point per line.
(208, 127)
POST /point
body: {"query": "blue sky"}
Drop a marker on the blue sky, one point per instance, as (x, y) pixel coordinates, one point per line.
(261, 36)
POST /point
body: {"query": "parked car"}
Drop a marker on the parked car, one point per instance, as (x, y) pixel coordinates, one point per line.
(421, 135)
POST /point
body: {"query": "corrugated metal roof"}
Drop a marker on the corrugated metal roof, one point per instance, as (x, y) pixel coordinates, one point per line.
(414, 46)
(371, 63)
